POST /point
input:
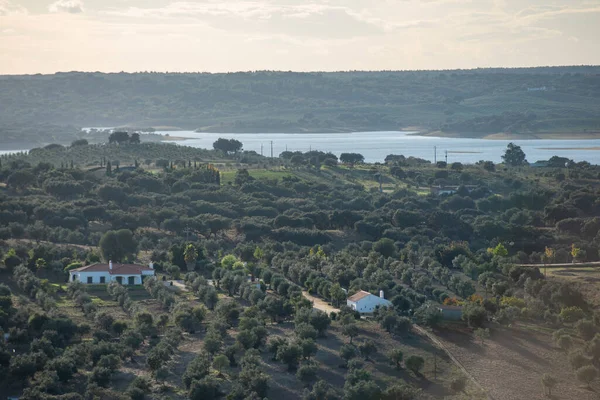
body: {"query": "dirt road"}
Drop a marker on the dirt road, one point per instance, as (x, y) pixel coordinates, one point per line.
(320, 304)
(179, 285)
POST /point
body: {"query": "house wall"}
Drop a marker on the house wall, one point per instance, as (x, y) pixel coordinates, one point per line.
(368, 304)
(83, 275)
(452, 315)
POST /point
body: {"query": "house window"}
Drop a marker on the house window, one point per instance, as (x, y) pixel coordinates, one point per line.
(102, 279)
(120, 280)
(90, 279)
(131, 280)
(74, 278)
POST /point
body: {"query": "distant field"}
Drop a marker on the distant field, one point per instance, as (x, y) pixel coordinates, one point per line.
(228, 177)
(587, 279)
(586, 274)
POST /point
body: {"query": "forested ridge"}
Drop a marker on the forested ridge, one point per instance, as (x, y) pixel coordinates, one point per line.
(470, 102)
(246, 235)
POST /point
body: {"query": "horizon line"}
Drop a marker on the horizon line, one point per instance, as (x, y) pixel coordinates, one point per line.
(305, 72)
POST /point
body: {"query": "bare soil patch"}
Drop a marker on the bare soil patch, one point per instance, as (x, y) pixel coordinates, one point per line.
(511, 363)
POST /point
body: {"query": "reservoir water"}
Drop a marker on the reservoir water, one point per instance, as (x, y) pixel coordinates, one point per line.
(375, 146)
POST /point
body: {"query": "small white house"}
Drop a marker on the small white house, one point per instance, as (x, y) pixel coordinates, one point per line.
(365, 302)
(125, 274)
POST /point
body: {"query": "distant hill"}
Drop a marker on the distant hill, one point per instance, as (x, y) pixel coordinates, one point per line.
(480, 101)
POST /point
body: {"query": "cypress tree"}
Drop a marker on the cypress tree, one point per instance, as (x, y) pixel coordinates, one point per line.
(108, 169)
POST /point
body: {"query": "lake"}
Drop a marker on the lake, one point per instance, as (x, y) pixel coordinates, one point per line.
(375, 146)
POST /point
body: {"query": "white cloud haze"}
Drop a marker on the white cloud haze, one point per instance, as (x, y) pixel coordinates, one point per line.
(209, 35)
(69, 6)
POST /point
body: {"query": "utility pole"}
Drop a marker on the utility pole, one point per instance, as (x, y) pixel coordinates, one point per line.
(435, 154)
(271, 149)
(187, 231)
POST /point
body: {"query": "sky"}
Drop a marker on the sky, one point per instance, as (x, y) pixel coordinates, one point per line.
(47, 36)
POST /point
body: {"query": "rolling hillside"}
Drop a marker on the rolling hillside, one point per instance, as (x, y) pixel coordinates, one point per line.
(453, 101)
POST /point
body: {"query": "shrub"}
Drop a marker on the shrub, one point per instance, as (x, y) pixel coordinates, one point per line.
(396, 357)
(307, 373)
(197, 369)
(220, 362)
(586, 329)
(571, 314)
(458, 384)
(513, 302)
(401, 391)
(136, 393)
(415, 364)
(347, 352)
(587, 374)
(367, 348)
(565, 342)
(290, 355)
(305, 331)
(577, 360)
(474, 315)
(100, 376)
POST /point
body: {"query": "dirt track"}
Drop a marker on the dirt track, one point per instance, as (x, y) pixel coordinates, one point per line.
(441, 345)
(320, 304)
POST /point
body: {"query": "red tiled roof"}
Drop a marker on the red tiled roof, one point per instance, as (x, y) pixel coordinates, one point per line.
(359, 295)
(118, 269)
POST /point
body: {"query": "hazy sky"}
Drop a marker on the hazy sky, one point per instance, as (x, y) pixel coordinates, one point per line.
(207, 35)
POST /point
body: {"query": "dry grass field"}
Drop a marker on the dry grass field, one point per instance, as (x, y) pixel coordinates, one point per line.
(511, 363)
(587, 280)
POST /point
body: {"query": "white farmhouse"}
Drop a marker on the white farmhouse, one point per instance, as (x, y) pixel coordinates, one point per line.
(365, 302)
(125, 274)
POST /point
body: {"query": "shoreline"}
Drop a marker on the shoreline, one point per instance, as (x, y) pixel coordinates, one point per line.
(173, 138)
(595, 148)
(410, 131)
(513, 136)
